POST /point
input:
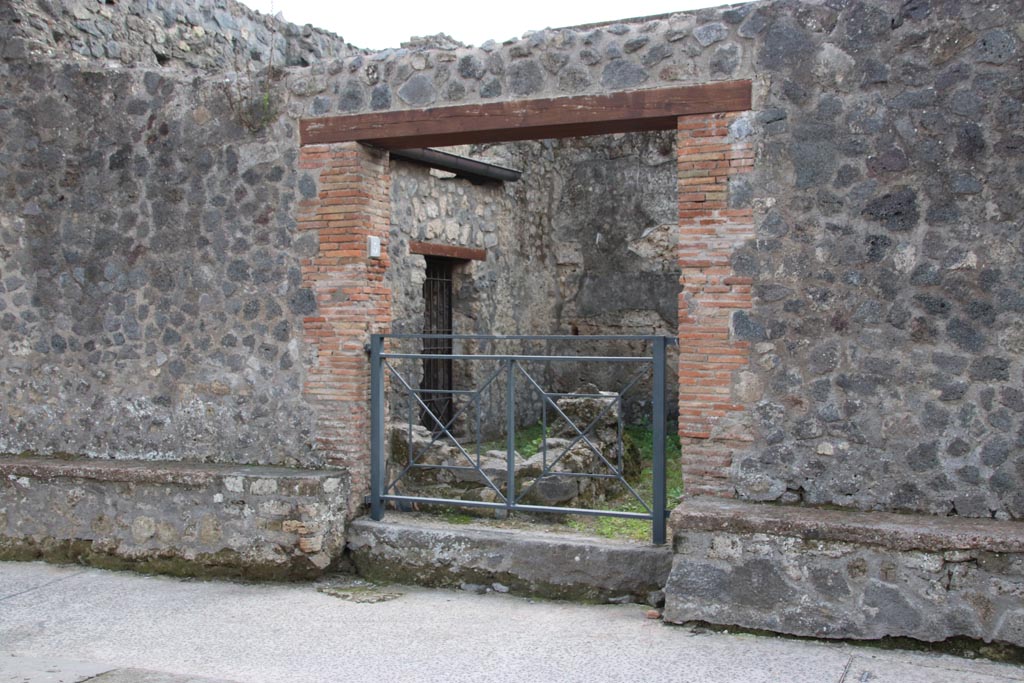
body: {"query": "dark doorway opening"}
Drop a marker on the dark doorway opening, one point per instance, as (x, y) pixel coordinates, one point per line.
(437, 319)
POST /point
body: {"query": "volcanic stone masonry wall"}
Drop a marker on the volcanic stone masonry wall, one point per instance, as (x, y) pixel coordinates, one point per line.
(175, 518)
(152, 299)
(153, 290)
(887, 266)
(212, 35)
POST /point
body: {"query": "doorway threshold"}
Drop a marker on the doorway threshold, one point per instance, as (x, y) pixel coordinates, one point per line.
(529, 560)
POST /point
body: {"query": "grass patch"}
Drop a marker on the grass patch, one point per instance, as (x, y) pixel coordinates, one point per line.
(643, 437)
(612, 527)
(638, 529)
(528, 442)
(454, 517)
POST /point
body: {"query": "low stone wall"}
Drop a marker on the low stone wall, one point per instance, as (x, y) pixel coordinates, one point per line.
(834, 574)
(173, 518)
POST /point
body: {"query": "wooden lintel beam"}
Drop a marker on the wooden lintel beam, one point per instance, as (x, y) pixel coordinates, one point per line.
(621, 112)
(448, 251)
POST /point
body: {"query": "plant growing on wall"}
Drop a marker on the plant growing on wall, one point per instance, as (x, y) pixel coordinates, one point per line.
(255, 100)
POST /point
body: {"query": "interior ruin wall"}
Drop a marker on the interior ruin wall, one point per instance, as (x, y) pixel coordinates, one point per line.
(582, 244)
(143, 227)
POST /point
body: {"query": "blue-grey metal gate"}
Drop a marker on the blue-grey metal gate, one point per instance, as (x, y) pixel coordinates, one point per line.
(385, 488)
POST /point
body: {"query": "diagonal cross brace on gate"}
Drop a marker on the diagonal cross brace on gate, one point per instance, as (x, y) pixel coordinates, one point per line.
(386, 489)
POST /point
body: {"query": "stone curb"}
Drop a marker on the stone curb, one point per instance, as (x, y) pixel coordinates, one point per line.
(149, 472)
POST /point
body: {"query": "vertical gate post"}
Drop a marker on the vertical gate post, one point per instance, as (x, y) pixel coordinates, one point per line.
(658, 402)
(377, 465)
(510, 445)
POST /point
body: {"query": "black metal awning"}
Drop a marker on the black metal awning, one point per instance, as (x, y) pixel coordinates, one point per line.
(471, 169)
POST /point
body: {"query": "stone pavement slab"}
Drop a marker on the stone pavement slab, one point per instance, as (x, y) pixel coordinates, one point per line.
(280, 633)
(15, 669)
(145, 676)
(16, 582)
(892, 670)
(50, 669)
(54, 670)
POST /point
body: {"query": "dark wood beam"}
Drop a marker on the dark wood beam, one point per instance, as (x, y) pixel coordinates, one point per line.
(621, 112)
(448, 251)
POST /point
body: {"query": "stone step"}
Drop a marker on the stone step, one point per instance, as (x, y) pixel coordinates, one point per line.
(426, 551)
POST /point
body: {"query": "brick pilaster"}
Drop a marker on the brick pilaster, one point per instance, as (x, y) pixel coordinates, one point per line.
(709, 232)
(352, 299)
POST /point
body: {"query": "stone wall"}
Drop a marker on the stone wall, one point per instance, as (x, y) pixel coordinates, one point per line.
(176, 518)
(887, 265)
(832, 574)
(884, 342)
(508, 292)
(151, 298)
(219, 35)
(158, 300)
(614, 235)
(683, 48)
(884, 351)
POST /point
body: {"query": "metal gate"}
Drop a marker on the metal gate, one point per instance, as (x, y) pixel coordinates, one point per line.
(511, 368)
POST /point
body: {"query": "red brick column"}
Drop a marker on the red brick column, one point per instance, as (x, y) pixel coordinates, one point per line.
(709, 232)
(352, 299)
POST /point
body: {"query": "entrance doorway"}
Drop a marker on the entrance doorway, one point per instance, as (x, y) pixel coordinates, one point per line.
(437, 320)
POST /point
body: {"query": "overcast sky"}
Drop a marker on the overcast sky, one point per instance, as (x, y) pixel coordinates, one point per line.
(384, 24)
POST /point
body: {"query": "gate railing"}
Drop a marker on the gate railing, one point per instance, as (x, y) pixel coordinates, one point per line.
(386, 488)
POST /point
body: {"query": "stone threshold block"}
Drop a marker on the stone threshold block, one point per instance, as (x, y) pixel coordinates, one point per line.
(546, 564)
(185, 519)
(838, 574)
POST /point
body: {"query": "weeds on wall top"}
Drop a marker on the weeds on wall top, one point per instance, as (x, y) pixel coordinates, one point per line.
(254, 100)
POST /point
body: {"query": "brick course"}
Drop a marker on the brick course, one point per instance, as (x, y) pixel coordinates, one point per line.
(353, 301)
(709, 232)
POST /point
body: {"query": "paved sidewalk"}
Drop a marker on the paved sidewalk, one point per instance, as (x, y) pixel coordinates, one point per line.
(70, 624)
